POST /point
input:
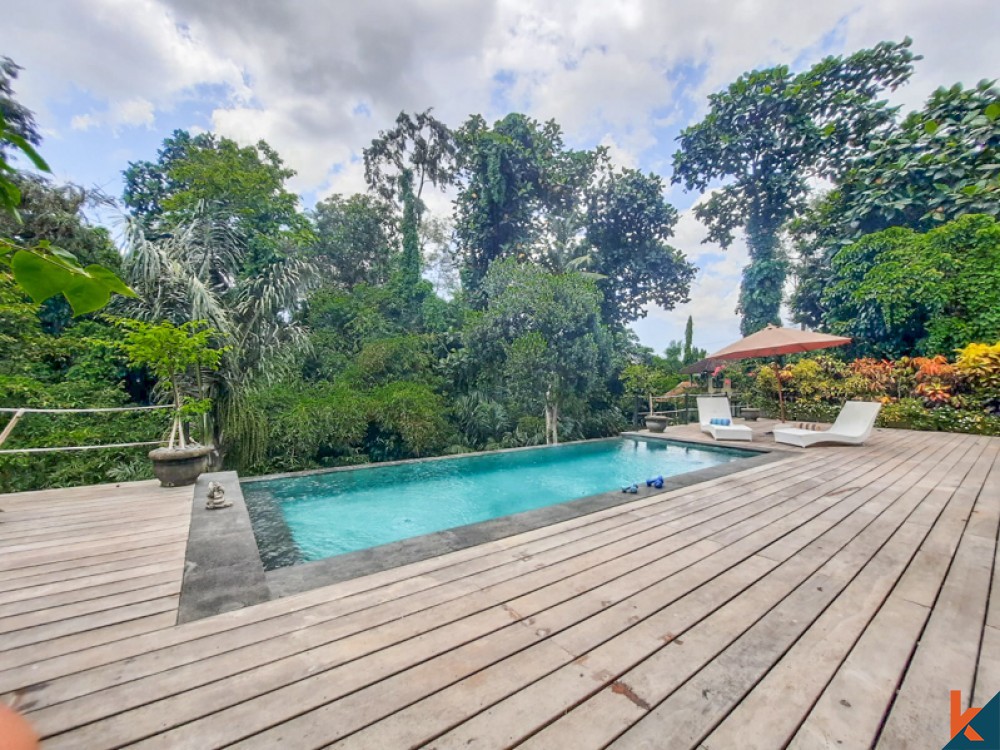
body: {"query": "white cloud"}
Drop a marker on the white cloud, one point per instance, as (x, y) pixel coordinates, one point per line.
(124, 113)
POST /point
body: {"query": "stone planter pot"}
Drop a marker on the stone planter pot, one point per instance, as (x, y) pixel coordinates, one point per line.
(751, 415)
(656, 423)
(178, 467)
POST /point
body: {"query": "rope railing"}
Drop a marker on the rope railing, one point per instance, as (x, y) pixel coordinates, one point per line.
(21, 411)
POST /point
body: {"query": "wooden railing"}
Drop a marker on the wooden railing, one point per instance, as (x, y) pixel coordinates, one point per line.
(681, 409)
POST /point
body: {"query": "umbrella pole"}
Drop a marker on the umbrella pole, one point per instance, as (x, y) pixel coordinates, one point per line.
(781, 395)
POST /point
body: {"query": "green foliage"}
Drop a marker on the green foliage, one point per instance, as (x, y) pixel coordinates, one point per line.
(243, 186)
(900, 292)
(627, 225)
(81, 367)
(766, 135)
(171, 352)
(303, 426)
(938, 164)
(354, 239)
(540, 338)
(514, 173)
(407, 421)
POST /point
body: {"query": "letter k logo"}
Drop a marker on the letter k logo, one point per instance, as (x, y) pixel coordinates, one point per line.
(960, 720)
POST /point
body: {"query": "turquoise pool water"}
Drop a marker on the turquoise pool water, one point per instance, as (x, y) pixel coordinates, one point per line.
(312, 516)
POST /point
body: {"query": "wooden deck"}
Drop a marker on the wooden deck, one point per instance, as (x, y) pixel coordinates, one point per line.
(830, 599)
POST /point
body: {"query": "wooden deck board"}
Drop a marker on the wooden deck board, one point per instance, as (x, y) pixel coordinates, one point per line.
(746, 611)
(215, 668)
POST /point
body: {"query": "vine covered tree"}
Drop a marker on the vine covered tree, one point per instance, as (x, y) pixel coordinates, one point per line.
(514, 175)
(19, 120)
(420, 144)
(765, 137)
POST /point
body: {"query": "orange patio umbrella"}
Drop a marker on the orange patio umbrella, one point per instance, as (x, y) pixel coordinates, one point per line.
(773, 341)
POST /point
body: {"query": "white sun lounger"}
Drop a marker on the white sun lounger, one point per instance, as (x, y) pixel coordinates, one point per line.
(717, 407)
(853, 426)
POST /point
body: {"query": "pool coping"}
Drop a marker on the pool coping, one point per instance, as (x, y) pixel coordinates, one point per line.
(229, 575)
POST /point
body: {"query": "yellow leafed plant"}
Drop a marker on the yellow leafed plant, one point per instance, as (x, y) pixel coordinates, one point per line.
(979, 364)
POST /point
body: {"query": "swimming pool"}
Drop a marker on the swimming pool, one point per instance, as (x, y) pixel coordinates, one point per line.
(318, 515)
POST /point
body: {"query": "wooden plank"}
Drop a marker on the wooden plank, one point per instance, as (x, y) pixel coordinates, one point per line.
(129, 606)
(83, 540)
(606, 714)
(36, 531)
(75, 568)
(520, 560)
(851, 708)
(52, 604)
(853, 705)
(306, 619)
(227, 693)
(689, 713)
(773, 711)
(303, 695)
(88, 584)
(84, 553)
(25, 667)
(948, 651)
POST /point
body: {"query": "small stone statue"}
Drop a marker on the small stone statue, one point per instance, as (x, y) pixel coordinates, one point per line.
(217, 497)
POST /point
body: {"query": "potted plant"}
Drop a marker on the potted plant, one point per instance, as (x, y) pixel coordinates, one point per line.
(640, 379)
(172, 354)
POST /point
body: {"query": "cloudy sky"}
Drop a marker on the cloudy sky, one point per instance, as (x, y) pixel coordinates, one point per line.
(109, 79)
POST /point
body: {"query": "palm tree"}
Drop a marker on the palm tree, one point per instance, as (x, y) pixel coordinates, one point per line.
(198, 271)
(564, 248)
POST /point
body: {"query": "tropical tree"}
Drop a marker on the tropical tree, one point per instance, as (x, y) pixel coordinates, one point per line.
(525, 195)
(627, 226)
(540, 338)
(765, 137)
(939, 163)
(900, 292)
(513, 175)
(355, 239)
(243, 186)
(419, 144)
(196, 273)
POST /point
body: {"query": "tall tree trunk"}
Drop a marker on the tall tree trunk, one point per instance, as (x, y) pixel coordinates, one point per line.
(763, 278)
(410, 262)
(551, 418)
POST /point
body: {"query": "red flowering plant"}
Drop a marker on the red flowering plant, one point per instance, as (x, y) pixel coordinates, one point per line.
(936, 380)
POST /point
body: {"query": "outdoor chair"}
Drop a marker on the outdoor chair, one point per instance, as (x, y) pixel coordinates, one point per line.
(716, 418)
(853, 426)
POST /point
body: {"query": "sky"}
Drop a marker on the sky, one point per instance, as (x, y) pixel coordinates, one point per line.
(110, 79)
